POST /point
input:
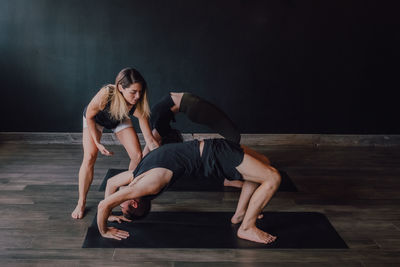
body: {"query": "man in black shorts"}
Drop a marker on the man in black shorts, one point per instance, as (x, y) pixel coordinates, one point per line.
(165, 165)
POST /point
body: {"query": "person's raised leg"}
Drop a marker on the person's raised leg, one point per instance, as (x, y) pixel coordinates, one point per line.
(268, 179)
(203, 112)
(85, 172)
(130, 141)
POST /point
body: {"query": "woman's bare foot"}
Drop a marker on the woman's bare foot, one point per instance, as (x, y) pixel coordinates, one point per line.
(234, 183)
(78, 211)
(238, 218)
(256, 235)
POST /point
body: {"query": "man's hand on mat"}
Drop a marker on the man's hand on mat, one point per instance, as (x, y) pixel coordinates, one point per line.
(115, 233)
(119, 219)
(104, 151)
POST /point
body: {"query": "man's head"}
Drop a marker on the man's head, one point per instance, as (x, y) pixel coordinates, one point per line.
(136, 209)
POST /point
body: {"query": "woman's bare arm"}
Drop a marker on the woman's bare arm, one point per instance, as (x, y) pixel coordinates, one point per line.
(151, 142)
(94, 107)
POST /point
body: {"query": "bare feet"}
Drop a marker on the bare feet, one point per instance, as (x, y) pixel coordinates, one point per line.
(238, 218)
(234, 183)
(256, 235)
(78, 211)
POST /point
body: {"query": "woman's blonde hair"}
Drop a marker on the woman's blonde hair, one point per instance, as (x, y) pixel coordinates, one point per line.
(118, 107)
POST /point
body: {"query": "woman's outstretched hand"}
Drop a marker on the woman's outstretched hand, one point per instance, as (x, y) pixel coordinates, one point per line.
(104, 151)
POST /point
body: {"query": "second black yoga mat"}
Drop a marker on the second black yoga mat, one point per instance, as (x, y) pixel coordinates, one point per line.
(214, 230)
(204, 183)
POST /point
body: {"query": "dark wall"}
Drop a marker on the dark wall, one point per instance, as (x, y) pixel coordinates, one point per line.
(290, 66)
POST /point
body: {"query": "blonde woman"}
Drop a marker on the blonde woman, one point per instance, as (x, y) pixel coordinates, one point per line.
(111, 108)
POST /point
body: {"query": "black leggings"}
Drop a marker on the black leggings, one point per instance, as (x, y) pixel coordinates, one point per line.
(203, 112)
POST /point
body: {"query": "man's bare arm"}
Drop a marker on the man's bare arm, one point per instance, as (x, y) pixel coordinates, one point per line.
(115, 182)
(150, 183)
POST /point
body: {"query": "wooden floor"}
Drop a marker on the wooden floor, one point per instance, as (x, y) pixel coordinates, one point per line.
(358, 188)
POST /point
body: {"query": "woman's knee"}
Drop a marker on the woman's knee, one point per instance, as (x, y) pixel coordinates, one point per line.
(134, 160)
(135, 156)
(89, 159)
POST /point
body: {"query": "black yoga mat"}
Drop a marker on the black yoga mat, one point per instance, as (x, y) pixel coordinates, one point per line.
(214, 230)
(209, 184)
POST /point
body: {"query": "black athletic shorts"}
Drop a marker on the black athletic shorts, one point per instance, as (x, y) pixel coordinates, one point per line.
(220, 158)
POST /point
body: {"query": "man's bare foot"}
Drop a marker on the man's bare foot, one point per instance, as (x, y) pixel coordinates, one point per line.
(256, 235)
(78, 211)
(234, 183)
(238, 218)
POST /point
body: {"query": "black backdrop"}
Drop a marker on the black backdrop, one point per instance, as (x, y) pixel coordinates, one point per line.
(290, 66)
